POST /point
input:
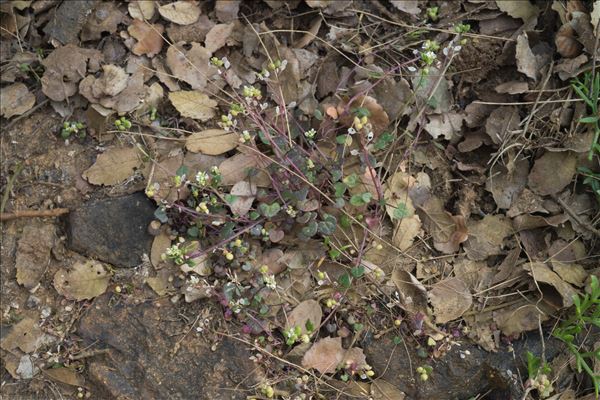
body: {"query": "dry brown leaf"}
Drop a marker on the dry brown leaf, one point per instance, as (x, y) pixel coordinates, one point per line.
(160, 244)
(25, 335)
(552, 172)
(162, 282)
(191, 66)
(162, 183)
(307, 312)
(448, 125)
(595, 15)
(193, 104)
(486, 236)
(212, 142)
(105, 17)
(526, 61)
(512, 87)
(413, 294)
(33, 253)
(112, 82)
(405, 232)
(114, 166)
(85, 280)
(65, 67)
(325, 355)
(450, 299)
(149, 39)
(518, 8)
(15, 99)
(274, 260)
(524, 318)
(407, 6)
(245, 193)
(378, 117)
(501, 122)
(141, 9)
(382, 390)
(227, 10)
(399, 206)
(542, 273)
(506, 185)
(65, 375)
(355, 357)
(180, 12)
(571, 273)
(239, 167)
(448, 231)
(218, 36)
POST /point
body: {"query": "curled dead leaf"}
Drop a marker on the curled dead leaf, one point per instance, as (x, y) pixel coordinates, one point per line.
(141, 9)
(191, 66)
(180, 12)
(149, 37)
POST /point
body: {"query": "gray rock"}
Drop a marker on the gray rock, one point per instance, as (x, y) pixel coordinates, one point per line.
(147, 358)
(113, 230)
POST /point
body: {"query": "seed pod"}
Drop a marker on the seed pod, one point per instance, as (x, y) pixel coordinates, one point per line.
(566, 43)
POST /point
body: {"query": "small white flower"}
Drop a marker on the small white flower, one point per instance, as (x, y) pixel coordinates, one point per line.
(411, 69)
(370, 136)
(226, 62)
(354, 152)
(351, 131)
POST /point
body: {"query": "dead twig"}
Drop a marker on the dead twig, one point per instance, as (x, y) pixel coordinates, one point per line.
(33, 214)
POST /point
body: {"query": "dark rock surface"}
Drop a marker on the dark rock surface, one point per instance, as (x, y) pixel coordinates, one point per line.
(465, 371)
(113, 230)
(141, 362)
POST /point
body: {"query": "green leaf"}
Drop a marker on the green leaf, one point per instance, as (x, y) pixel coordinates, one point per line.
(269, 210)
(193, 231)
(358, 271)
(334, 254)
(345, 280)
(358, 327)
(401, 211)
(328, 225)
(254, 215)
(383, 141)
(161, 214)
(309, 326)
(589, 120)
(361, 199)
(344, 139)
(340, 189)
(181, 171)
(351, 180)
(345, 221)
(361, 112)
(318, 115)
(336, 174)
(310, 230)
(230, 198)
(397, 340)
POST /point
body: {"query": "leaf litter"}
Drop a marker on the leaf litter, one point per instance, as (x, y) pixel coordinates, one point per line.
(335, 193)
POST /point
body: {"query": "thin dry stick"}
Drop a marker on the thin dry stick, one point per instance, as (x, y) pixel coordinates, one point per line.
(34, 214)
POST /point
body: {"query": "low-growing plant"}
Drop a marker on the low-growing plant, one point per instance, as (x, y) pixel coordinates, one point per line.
(586, 316)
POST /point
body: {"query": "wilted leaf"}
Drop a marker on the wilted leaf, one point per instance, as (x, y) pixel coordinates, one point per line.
(413, 294)
(325, 355)
(405, 232)
(217, 37)
(85, 280)
(450, 299)
(15, 100)
(114, 166)
(542, 273)
(486, 236)
(191, 66)
(112, 82)
(160, 244)
(141, 9)
(512, 87)
(307, 313)
(193, 104)
(552, 172)
(149, 39)
(65, 67)
(212, 142)
(518, 8)
(355, 357)
(274, 260)
(180, 12)
(245, 193)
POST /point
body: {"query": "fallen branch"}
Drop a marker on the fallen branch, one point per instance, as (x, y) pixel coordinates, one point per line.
(33, 214)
